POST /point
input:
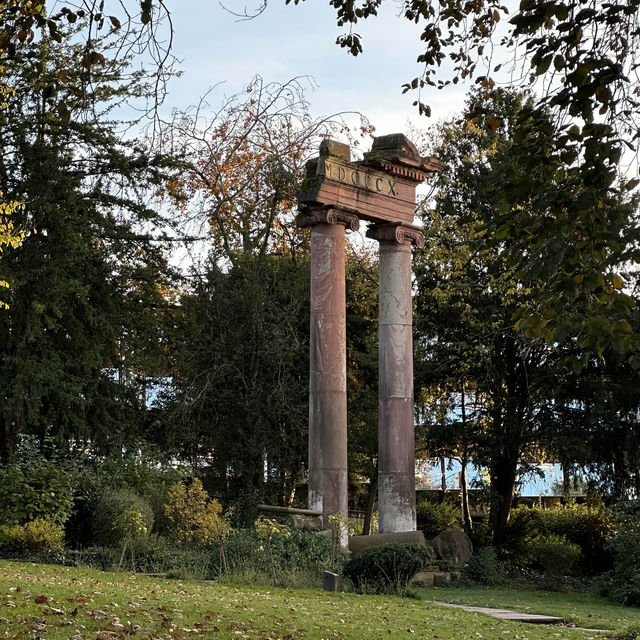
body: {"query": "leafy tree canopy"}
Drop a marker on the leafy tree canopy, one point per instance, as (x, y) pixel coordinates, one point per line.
(580, 56)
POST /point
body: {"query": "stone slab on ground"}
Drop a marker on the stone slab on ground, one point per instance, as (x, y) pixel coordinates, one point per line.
(360, 543)
(505, 614)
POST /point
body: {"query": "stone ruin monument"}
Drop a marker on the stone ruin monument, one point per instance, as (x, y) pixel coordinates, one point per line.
(336, 195)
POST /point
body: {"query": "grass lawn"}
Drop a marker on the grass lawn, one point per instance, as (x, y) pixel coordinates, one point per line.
(52, 602)
(582, 609)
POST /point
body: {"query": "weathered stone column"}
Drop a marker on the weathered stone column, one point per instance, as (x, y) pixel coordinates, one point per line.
(328, 362)
(396, 448)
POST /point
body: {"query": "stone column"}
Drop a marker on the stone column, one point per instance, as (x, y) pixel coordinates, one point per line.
(328, 362)
(396, 448)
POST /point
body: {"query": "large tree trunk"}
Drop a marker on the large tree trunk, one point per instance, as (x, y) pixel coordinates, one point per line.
(9, 431)
(503, 481)
(566, 483)
(443, 481)
(371, 500)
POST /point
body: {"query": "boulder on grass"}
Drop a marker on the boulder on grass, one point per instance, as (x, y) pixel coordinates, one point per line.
(453, 546)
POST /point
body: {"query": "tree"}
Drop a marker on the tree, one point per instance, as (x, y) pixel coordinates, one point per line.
(582, 54)
(238, 407)
(362, 375)
(245, 162)
(9, 237)
(468, 293)
(23, 22)
(89, 243)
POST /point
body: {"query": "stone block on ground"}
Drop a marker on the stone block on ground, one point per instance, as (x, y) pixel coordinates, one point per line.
(453, 546)
(331, 581)
(360, 543)
(431, 578)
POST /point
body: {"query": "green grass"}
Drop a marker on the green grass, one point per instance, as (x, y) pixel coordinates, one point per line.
(582, 609)
(53, 602)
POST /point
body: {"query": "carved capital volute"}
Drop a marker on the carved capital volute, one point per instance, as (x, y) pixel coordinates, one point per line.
(397, 233)
(311, 217)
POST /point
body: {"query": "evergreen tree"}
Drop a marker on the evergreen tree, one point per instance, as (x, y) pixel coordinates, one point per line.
(88, 245)
(238, 408)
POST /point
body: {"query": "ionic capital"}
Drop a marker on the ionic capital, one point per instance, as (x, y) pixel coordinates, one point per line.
(311, 217)
(397, 233)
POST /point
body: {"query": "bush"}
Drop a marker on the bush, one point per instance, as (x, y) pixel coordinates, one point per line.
(556, 555)
(39, 535)
(434, 517)
(484, 567)
(588, 527)
(288, 556)
(623, 583)
(196, 517)
(388, 567)
(114, 513)
(150, 554)
(34, 487)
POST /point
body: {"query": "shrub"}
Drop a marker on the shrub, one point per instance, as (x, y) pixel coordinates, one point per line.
(588, 527)
(149, 554)
(34, 487)
(39, 535)
(556, 555)
(290, 556)
(628, 632)
(623, 583)
(196, 517)
(434, 517)
(388, 567)
(484, 567)
(116, 513)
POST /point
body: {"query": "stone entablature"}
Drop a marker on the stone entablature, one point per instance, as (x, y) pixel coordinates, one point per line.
(381, 188)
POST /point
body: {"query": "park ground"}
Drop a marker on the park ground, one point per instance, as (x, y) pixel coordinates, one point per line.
(55, 602)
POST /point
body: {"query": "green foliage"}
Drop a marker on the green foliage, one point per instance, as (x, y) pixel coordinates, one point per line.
(587, 527)
(118, 514)
(628, 632)
(288, 555)
(76, 344)
(138, 468)
(556, 555)
(484, 567)
(623, 583)
(39, 535)
(434, 517)
(240, 379)
(388, 567)
(148, 554)
(32, 486)
(196, 517)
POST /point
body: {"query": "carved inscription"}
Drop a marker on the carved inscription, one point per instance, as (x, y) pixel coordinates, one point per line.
(369, 180)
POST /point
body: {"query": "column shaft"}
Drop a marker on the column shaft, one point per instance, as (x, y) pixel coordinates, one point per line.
(396, 449)
(328, 375)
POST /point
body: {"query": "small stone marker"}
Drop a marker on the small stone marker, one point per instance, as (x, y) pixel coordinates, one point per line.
(331, 581)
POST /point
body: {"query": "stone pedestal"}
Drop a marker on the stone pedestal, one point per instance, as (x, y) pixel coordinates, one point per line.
(328, 363)
(396, 449)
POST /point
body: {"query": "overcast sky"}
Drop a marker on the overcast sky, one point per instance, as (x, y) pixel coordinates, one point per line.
(288, 41)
